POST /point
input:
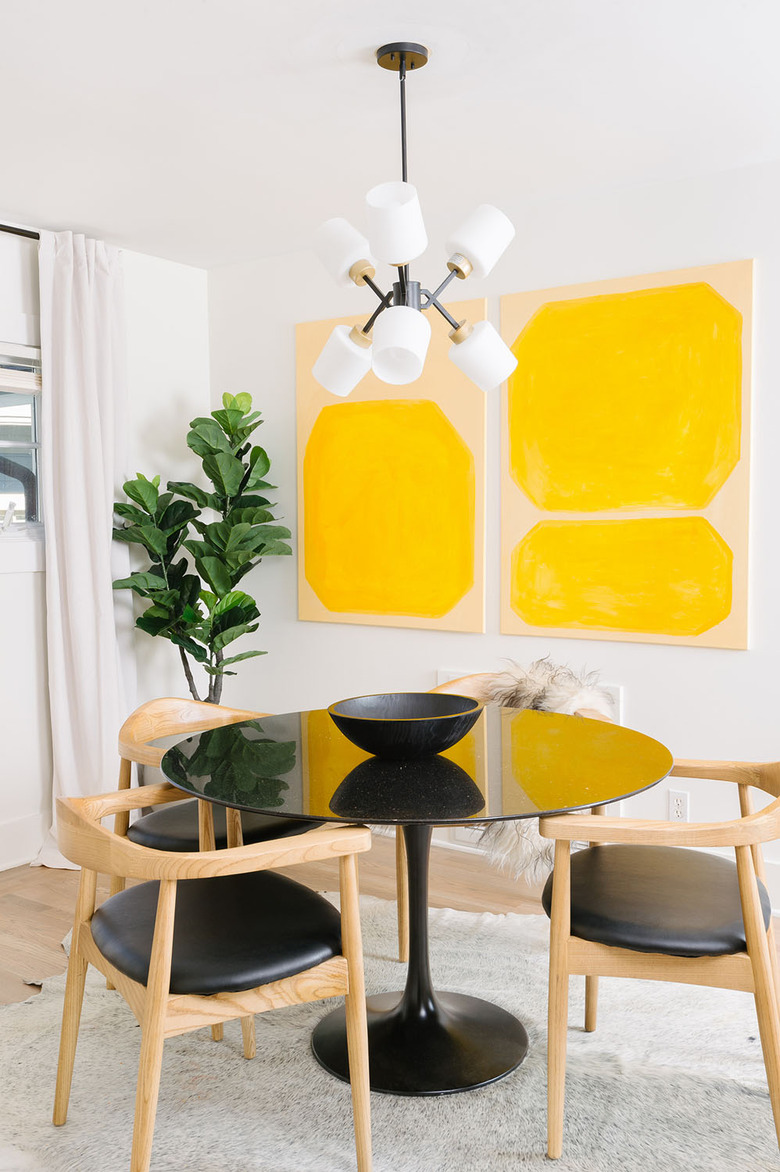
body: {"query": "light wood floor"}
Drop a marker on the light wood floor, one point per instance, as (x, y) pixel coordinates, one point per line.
(36, 904)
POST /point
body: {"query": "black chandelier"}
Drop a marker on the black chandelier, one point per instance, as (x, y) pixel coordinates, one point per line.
(394, 341)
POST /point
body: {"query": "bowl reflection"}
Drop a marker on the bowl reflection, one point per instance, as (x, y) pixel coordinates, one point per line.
(426, 789)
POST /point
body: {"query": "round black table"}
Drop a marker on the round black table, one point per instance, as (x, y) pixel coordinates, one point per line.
(513, 764)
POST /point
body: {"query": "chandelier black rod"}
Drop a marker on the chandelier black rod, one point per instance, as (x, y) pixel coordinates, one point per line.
(387, 300)
(402, 83)
(437, 305)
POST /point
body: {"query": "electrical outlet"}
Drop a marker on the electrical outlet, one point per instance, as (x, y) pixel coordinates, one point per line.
(678, 805)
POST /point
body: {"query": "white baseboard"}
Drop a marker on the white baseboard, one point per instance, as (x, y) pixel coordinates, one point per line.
(21, 839)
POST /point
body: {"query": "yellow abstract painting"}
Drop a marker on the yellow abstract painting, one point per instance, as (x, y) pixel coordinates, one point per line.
(625, 463)
(391, 494)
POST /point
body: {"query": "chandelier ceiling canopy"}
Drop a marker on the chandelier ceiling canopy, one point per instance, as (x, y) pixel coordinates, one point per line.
(394, 340)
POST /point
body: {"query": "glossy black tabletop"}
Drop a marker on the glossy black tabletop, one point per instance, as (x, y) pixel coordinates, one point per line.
(512, 764)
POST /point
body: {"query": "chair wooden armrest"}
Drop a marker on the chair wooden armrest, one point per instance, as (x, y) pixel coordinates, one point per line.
(755, 828)
(762, 774)
(82, 836)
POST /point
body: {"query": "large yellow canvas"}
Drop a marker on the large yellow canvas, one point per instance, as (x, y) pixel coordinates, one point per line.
(625, 459)
(391, 493)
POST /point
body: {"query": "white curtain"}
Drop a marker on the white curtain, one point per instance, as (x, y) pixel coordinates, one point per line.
(82, 436)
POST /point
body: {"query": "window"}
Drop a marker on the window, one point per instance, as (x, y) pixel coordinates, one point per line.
(20, 384)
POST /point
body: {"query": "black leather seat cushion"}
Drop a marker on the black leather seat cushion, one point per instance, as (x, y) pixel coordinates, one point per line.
(657, 899)
(175, 827)
(230, 933)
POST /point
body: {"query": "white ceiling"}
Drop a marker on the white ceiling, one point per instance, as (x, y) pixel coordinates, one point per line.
(214, 131)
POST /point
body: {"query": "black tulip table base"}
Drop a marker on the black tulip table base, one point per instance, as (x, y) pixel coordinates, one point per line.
(460, 1044)
(422, 1042)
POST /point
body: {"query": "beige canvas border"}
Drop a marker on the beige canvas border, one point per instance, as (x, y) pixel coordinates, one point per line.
(462, 403)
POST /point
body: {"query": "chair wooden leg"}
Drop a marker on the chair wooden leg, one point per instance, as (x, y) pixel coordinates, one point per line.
(402, 896)
(121, 827)
(74, 996)
(235, 837)
(592, 983)
(248, 1034)
(558, 1000)
(591, 1003)
(771, 940)
(763, 977)
(355, 1004)
(153, 1029)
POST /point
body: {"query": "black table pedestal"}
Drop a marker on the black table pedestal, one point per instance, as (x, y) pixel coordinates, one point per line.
(422, 1042)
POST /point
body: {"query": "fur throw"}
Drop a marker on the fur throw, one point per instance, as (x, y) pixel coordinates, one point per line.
(516, 847)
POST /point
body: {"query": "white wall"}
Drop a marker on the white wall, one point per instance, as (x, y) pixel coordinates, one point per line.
(168, 377)
(699, 701)
(168, 374)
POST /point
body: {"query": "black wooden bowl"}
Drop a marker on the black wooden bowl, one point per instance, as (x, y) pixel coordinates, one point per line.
(401, 725)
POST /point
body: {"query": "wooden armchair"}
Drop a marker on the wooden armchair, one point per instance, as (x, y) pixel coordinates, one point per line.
(192, 824)
(642, 907)
(179, 981)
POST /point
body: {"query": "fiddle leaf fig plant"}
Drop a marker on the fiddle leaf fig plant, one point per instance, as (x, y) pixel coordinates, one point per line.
(226, 530)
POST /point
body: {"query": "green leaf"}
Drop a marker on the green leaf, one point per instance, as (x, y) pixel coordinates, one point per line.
(213, 570)
(143, 492)
(225, 472)
(243, 402)
(234, 598)
(208, 598)
(255, 516)
(130, 512)
(229, 420)
(259, 465)
(153, 538)
(198, 653)
(243, 655)
(191, 491)
(206, 437)
(250, 501)
(275, 549)
(231, 634)
(176, 515)
(140, 582)
(153, 624)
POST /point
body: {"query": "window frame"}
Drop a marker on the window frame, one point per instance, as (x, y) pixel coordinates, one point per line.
(22, 543)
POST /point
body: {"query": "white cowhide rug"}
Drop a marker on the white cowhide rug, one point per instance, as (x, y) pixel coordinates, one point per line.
(672, 1079)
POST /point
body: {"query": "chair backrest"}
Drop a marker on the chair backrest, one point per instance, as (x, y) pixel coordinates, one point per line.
(168, 716)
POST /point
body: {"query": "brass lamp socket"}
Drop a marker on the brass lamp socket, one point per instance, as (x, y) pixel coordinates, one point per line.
(360, 270)
(357, 336)
(460, 332)
(460, 264)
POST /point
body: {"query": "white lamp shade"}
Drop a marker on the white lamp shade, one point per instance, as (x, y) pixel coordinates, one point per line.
(484, 357)
(401, 337)
(482, 238)
(342, 363)
(339, 245)
(395, 224)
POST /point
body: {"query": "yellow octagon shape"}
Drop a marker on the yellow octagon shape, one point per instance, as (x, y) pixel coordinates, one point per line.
(658, 575)
(627, 400)
(389, 509)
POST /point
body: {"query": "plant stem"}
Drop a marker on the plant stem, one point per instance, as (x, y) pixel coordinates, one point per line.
(216, 682)
(188, 673)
